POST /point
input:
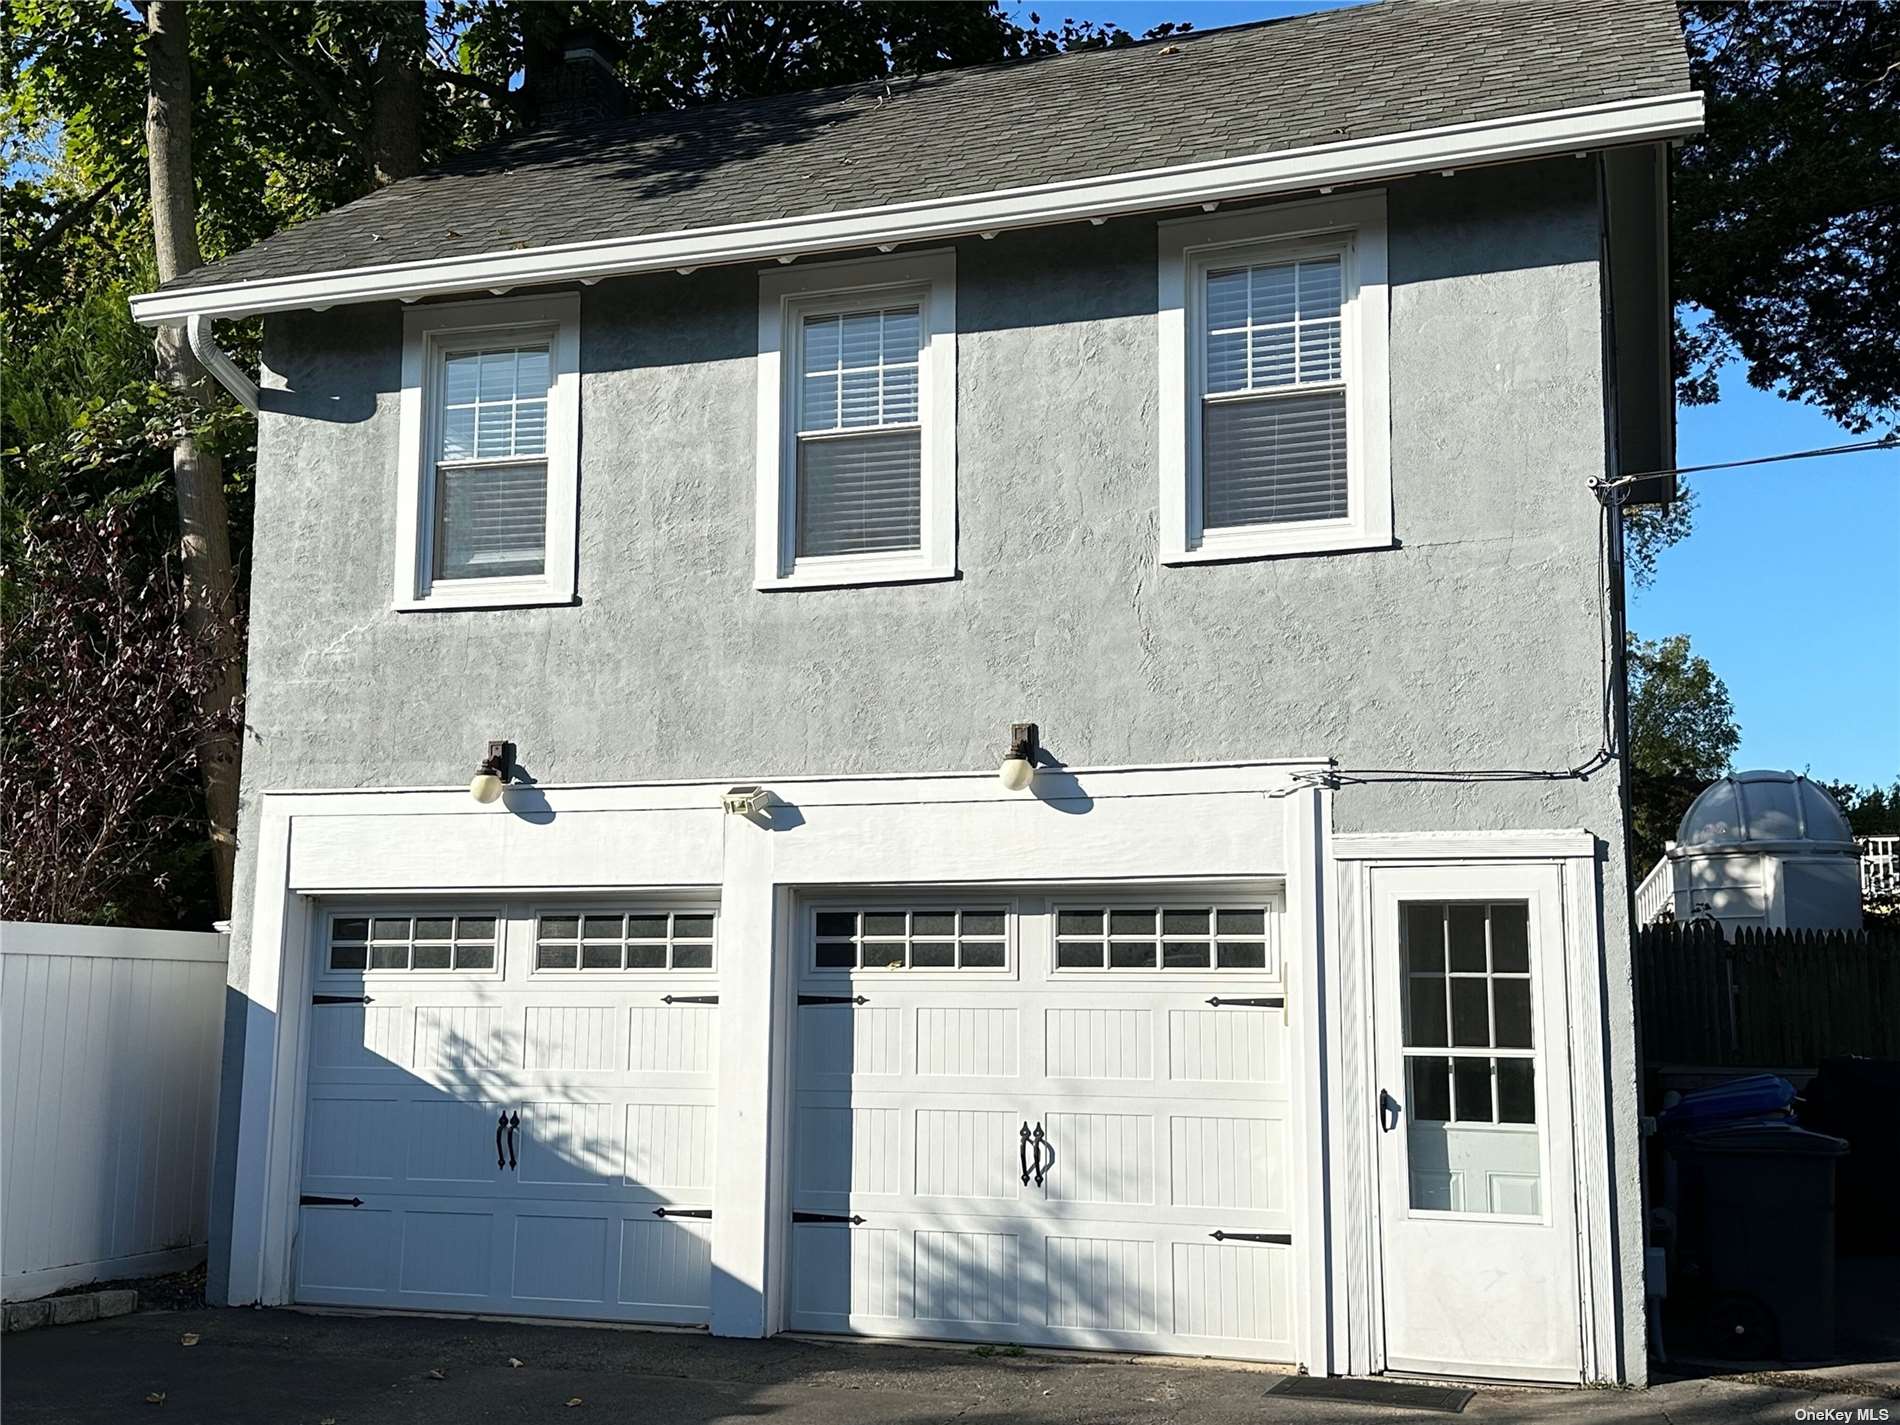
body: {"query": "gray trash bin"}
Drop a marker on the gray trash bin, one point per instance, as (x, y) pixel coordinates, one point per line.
(1764, 1237)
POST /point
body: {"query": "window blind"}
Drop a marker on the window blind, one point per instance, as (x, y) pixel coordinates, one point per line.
(1273, 423)
(491, 520)
(1276, 459)
(860, 444)
(491, 477)
(860, 494)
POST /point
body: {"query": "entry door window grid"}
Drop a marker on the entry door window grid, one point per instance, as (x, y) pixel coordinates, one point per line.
(1472, 1140)
(1204, 937)
(910, 938)
(631, 939)
(397, 941)
(1468, 1012)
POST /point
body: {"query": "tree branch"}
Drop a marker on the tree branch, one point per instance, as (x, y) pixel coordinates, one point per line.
(324, 87)
(496, 91)
(80, 208)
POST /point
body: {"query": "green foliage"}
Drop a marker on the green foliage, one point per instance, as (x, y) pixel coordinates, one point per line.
(290, 117)
(1872, 810)
(1786, 215)
(1682, 733)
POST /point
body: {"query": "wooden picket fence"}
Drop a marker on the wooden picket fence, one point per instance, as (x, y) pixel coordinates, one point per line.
(1768, 999)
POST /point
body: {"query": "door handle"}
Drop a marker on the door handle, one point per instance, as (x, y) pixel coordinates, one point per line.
(1389, 1112)
(501, 1126)
(514, 1122)
(1022, 1152)
(1039, 1143)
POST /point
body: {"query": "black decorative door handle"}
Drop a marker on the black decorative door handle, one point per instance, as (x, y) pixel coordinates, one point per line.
(1389, 1111)
(501, 1125)
(1022, 1153)
(514, 1122)
(1040, 1143)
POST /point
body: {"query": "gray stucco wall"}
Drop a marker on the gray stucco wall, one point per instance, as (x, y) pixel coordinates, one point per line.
(1473, 644)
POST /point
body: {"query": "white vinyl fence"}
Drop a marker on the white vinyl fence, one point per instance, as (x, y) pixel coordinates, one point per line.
(109, 1043)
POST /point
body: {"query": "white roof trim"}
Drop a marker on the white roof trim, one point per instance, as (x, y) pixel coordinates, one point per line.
(1624, 121)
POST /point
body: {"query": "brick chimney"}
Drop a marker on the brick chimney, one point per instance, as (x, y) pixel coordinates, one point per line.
(578, 85)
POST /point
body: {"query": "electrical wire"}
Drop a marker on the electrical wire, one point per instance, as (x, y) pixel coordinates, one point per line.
(1612, 494)
(1887, 442)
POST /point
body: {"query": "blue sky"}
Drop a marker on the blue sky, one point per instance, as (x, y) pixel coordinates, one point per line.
(1790, 585)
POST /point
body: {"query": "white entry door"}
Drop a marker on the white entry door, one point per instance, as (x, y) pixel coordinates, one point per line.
(1477, 1221)
(1057, 1120)
(510, 1110)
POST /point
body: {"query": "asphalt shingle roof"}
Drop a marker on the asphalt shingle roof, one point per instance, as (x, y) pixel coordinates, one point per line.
(1377, 69)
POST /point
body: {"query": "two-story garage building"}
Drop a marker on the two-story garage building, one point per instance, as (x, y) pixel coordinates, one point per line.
(1230, 409)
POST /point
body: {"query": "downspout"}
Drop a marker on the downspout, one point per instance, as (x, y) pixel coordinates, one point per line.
(214, 359)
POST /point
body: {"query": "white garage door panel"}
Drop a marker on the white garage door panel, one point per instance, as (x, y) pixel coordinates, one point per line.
(1164, 1120)
(1107, 1284)
(607, 1089)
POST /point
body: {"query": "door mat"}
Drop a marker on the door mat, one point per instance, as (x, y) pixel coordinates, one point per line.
(1356, 1390)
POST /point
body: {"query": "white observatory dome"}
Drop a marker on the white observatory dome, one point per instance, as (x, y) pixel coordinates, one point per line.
(1753, 808)
(1768, 850)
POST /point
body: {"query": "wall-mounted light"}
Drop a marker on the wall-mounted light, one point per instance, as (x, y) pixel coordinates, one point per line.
(1019, 763)
(494, 773)
(747, 801)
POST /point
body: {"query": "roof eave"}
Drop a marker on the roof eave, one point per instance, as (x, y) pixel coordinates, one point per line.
(1349, 161)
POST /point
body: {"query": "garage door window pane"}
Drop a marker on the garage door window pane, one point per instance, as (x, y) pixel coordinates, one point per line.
(600, 941)
(935, 937)
(429, 944)
(1165, 937)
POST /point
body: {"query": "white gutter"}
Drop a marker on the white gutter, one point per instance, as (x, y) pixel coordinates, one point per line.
(213, 358)
(1624, 121)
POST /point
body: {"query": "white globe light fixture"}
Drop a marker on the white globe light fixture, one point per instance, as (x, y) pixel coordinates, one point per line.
(1019, 763)
(492, 776)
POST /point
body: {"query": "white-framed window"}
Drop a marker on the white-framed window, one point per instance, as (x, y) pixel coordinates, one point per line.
(1274, 393)
(490, 453)
(857, 423)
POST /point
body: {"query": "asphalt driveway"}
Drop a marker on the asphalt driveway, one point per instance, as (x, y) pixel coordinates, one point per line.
(263, 1367)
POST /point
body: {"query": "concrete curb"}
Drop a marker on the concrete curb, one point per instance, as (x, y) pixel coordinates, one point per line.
(67, 1310)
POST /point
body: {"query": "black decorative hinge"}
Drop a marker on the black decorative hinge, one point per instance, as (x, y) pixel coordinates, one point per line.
(309, 1200)
(689, 999)
(682, 1212)
(854, 1220)
(1284, 1239)
(1251, 1003)
(832, 999)
(339, 999)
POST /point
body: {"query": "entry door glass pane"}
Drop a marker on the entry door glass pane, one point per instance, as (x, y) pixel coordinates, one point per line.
(1471, 1138)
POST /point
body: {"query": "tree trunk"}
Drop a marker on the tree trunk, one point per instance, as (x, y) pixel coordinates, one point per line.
(395, 98)
(204, 538)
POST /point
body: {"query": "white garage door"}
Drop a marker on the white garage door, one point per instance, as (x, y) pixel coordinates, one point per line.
(510, 1109)
(1045, 1120)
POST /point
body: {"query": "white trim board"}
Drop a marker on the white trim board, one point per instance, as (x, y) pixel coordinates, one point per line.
(1463, 845)
(1359, 160)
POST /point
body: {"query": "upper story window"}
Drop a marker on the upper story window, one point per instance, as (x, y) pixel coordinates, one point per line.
(1273, 382)
(491, 394)
(857, 412)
